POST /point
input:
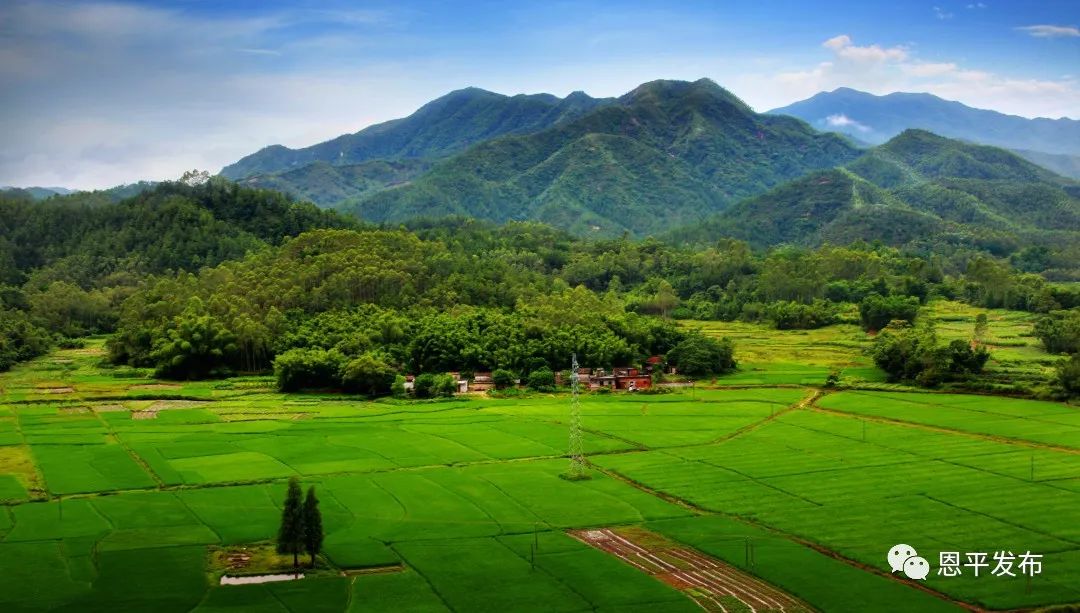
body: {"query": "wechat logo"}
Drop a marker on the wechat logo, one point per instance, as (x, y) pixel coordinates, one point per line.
(904, 558)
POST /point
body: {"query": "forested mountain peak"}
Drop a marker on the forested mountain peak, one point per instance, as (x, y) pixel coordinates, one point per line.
(917, 188)
(666, 152)
(441, 127)
(665, 90)
(934, 156)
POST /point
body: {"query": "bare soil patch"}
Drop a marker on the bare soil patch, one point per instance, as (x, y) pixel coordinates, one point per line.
(165, 405)
(250, 579)
(108, 408)
(54, 390)
(708, 581)
(151, 411)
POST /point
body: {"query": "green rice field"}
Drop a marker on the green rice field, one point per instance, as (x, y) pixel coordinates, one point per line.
(117, 490)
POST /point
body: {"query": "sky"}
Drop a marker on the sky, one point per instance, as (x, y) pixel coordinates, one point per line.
(96, 94)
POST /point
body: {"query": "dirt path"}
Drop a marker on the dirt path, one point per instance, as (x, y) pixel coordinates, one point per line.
(807, 401)
(708, 581)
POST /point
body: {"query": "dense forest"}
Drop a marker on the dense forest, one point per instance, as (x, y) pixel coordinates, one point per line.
(204, 278)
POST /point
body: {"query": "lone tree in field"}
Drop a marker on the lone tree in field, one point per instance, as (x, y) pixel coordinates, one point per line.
(291, 534)
(313, 530)
(981, 327)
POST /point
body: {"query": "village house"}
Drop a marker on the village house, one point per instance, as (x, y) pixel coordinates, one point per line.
(482, 382)
(621, 378)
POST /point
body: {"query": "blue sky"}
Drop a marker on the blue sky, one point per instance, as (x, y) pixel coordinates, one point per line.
(100, 93)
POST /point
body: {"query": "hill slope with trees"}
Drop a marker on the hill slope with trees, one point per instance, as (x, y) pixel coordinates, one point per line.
(1053, 143)
(919, 190)
(665, 153)
(440, 128)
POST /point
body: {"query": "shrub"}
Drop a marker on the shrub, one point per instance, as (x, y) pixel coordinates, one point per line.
(20, 339)
(424, 386)
(798, 316)
(876, 311)
(908, 354)
(194, 345)
(1060, 331)
(397, 389)
(66, 342)
(1068, 375)
(699, 355)
(297, 369)
(445, 385)
(368, 374)
(833, 379)
(503, 379)
(542, 380)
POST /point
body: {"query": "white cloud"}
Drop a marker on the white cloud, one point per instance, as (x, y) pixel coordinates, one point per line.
(844, 48)
(1048, 31)
(928, 69)
(942, 14)
(898, 71)
(843, 121)
(98, 94)
(976, 5)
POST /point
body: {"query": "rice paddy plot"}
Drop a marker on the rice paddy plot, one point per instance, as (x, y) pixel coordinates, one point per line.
(824, 582)
(808, 477)
(406, 591)
(466, 493)
(1048, 423)
(73, 469)
(501, 574)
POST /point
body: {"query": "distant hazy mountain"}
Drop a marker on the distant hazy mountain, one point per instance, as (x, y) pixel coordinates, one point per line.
(1065, 165)
(876, 119)
(37, 193)
(916, 187)
(441, 127)
(668, 152)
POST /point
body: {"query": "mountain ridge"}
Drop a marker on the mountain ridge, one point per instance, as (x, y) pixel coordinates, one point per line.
(917, 187)
(687, 150)
(439, 128)
(875, 119)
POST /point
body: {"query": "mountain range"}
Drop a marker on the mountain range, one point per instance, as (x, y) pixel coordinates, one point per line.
(870, 119)
(666, 152)
(35, 193)
(685, 160)
(917, 187)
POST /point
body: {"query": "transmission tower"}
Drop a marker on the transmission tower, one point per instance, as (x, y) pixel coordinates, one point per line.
(577, 454)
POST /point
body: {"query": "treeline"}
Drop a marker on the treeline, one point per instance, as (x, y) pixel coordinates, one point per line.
(1059, 332)
(254, 276)
(387, 298)
(68, 263)
(344, 308)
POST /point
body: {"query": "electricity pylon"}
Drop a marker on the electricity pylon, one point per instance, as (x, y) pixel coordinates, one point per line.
(577, 454)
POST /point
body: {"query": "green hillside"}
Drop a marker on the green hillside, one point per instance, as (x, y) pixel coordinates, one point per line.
(86, 239)
(442, 127)
(933, 156)
(916, 187)
(667, 152)
(326, 184)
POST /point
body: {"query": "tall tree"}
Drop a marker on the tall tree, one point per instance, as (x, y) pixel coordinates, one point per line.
(313, 528)
(291, 535)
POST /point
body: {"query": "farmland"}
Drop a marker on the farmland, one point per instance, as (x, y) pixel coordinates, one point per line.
(117, 490)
